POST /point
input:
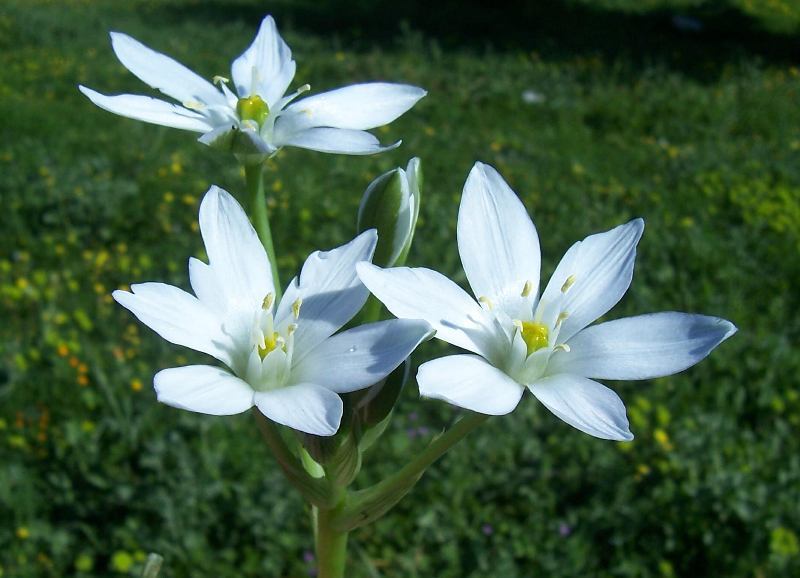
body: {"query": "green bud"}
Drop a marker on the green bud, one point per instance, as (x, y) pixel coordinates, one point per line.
(252, 108)
(391, 205)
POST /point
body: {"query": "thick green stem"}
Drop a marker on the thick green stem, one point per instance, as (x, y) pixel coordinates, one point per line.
(257, 207)
(368, 505)
(331, 545)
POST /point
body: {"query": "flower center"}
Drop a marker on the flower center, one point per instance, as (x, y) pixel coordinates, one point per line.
(252, 108)
(534, 335)
(270, 343)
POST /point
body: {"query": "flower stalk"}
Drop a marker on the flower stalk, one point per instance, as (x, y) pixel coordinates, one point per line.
(257, 208)
(331, 544)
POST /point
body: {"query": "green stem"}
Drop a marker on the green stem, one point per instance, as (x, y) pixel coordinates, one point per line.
(257, 207)
(331, 545)
(368, 505)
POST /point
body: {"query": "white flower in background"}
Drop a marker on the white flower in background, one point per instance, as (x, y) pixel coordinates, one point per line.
(257, 111)
(282, 357)
(542, 343)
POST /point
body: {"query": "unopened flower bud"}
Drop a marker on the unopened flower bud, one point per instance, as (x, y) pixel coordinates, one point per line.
(391, 205)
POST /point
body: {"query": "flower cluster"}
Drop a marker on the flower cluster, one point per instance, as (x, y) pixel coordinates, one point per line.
(288, 354)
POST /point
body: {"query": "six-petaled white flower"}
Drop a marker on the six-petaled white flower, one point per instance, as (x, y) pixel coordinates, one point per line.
(283, 357)
(539, 342)
(257, 112)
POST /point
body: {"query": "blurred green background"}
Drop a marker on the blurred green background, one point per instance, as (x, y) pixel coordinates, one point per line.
(684, 112)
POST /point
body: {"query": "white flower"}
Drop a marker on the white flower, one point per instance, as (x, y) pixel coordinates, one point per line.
(542, 343)
(258, 113)
(283, 357)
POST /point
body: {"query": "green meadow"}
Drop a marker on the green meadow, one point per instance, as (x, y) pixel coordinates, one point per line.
(683, 112)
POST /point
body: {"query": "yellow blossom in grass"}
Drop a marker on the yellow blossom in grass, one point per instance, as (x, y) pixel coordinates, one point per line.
(23, 533)
(84, 563)
(83, 381)
(62, 350)
(122, 562)
(663, 440)
(87, 426)
(136, 385)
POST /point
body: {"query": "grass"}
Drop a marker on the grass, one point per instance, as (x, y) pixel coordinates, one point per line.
(697, 133)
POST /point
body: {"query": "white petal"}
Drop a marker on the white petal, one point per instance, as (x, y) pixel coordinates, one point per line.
(642, 347)
(203, 389)
(164, 73)
(469, 382)
(419, 293)
(359, 106)
(584, 404)
(235, 253)
(602, 266)
(497, 241)
(330, 140)
(177, 316)
(206, 286)
(148, 109)
(360, 357)
(330, 290)
(266, 68)
(305, 407)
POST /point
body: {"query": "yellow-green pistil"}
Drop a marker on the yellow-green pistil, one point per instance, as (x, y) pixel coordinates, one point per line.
(252, 108)
(534, 334)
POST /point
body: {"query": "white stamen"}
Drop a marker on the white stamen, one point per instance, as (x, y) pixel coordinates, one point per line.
(568, 283)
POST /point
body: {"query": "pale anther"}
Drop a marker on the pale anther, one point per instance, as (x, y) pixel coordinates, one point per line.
(526, 290)
(220, 80)
(561, 317)
(486, 302)
(568, 283)
(268, 300)
(193, 105)
(563, 347)
(296, 307)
